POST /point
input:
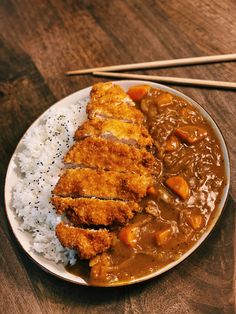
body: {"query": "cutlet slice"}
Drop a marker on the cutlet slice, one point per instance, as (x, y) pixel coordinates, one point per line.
(91, 211)
(111, 101)
(102, 154)
(109, 94)
(103, 184)
(128, 133)
(119, 111)
(87, 242)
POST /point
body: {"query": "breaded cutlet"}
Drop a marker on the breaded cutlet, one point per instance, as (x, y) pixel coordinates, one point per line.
(109, 101)
(91, 211)
(122, 111)
(128, 133)
(103, 184)
(109, 94)
(99, 153)
(87, 242)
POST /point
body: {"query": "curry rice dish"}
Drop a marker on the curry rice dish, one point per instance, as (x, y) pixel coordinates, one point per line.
(141, 183)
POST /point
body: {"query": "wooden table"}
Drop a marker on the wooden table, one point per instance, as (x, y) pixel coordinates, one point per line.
(39, 41)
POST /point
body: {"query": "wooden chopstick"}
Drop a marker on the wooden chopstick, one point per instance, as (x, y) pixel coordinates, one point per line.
(167, 79)
(159, 64)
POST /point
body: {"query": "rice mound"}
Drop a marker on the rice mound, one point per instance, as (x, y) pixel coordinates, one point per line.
(40, 162)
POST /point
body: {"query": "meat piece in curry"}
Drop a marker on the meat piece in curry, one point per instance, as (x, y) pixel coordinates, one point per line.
(152, 214)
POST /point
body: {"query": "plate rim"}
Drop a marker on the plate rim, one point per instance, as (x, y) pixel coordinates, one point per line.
(79, 95)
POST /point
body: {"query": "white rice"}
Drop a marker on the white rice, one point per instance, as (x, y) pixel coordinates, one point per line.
(40, 163)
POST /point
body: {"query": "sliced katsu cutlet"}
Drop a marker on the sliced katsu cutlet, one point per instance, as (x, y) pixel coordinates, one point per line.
(119, 111)
(91, 211)
(87, 242)
(103, 184)
(99, 153)
(128, 133)
(112, 171)
(109, 93)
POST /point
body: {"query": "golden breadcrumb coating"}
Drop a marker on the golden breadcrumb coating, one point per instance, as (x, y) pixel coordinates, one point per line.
(109, 94)
(103, 184)
(87, 242)
(129, 133)
(113, 172)
(120, 111)
(111, 101)
(91, 211)
(102, 154)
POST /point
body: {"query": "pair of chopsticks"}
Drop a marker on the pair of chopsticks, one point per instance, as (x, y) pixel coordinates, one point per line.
(107, 71)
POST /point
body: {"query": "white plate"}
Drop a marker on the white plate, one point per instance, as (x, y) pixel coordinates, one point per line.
(25, 238)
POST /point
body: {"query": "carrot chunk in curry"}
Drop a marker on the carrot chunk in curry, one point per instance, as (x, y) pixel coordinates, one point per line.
(136, 93)
(179, 186)
(191, 133)
(129, 235)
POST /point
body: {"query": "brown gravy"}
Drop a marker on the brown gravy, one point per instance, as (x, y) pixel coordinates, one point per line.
(200, 163)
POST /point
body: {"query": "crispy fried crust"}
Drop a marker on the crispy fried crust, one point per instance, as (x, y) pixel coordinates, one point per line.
(117, 173)
(103, 184)
(90, 211)
(122, 111)
(129, 133)
(88, 243)
(109, 94)
(111, 101)
(102, 154)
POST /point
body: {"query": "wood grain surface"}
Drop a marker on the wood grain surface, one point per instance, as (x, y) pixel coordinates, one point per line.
(39, 41)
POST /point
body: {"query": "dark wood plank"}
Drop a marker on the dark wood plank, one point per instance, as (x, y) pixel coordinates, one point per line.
(17, 290)
(23, 97)
(38, 43)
